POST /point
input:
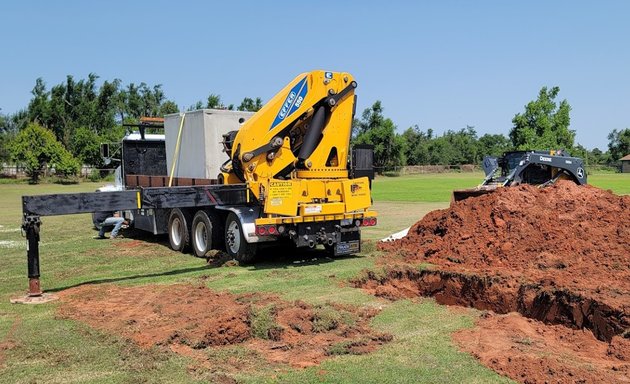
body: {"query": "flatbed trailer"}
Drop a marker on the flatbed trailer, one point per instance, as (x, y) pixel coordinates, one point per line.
(135, 200)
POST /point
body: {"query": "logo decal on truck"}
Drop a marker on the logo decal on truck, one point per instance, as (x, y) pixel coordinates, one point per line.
(292, 102)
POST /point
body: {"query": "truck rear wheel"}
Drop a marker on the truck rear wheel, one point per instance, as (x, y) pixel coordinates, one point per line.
(235, 244)
(178, 233)
(206, 233)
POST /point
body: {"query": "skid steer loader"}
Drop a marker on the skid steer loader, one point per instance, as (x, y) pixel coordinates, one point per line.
(540, 168)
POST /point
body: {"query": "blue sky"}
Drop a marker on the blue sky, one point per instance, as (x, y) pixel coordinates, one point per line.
(439, 64)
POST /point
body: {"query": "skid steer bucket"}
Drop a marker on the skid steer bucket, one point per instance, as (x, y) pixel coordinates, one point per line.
(463, 194)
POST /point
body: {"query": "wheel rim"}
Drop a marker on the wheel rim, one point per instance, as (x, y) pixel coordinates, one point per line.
(233, 237)
(176, 232)
(201, 236)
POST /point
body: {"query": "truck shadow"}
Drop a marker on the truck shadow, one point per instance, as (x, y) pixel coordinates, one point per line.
(276, 257)
(267, 257)
(291, 257)
(134, 277)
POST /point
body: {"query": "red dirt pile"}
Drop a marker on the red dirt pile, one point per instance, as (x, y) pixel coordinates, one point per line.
(574, 237)
(560, 255)
(532, 352)
(191, 319)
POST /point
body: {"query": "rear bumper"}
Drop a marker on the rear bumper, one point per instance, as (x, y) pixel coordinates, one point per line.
(340, 233)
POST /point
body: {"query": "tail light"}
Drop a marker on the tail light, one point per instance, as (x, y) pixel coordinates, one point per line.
(263, 230)
(368, 222)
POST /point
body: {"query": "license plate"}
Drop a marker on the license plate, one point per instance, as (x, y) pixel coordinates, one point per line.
(346, 248)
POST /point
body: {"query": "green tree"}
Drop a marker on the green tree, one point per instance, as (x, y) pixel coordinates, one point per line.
(371, 118)
(168, 107)
(37, 149)
(250, 105)
(599, 157)
(86, 147)
(5, 154)
(544, 124)
(214, 101)
(416, 145)
(380, 132)
(38, 108)
(493, 145)
(106, 103)
(582, 152)
(441, 151)
(619, 143)
(464, 145)
(454, 147)
(6, 135)
(196, 106)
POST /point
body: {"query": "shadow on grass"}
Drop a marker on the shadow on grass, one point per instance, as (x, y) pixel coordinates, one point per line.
(268, 256)
(278, 257)
(134, 277)
(287, 255)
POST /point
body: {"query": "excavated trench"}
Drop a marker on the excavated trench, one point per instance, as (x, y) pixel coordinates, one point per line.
(560, 255)
(501, 295)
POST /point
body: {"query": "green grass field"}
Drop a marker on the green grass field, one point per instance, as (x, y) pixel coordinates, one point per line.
(438, 187)
(38, 347)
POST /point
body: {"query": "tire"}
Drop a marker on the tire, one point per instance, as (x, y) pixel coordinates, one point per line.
(178, 230)
(235, 244)
(206, 233)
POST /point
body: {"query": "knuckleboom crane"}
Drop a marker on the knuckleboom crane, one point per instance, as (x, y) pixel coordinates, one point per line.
(293, 156)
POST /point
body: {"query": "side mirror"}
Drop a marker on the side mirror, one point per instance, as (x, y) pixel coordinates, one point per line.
(104, 150)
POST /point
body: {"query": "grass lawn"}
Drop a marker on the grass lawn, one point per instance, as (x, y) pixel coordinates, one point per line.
(619, 183)
(36, 346)
(438, 187)
(423, 188)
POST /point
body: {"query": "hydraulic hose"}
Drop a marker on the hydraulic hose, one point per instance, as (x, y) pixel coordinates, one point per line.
(313, 135)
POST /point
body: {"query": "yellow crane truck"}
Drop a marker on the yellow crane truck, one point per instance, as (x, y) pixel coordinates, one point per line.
(290, 175)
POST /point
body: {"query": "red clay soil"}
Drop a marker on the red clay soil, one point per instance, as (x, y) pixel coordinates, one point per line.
(191, 319)
(560, 255)
(529, 351)
(573, 237)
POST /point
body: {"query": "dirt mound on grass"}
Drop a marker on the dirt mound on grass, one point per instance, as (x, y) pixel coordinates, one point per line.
(194, 321)
(575, 237)
(530, 351)
(560, 255)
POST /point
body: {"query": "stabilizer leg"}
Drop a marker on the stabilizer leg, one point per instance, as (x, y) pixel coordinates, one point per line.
(31, 227)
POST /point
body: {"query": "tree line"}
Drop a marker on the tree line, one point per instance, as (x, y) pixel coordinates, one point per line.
(543, 125)
(62, 127)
